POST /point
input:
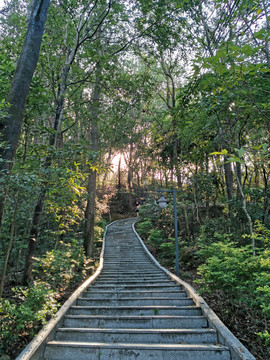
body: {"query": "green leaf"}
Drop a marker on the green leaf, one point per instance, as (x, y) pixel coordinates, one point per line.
(223, 152)
(241, 152)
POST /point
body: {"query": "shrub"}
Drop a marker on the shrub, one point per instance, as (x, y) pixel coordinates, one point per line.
(62, 266)
(150, 210)
(144, 228)
(22, 317)
(156, 237)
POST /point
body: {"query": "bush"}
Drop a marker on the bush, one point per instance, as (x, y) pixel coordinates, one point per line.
(144, 228)
(22, 317)
(150, 210)
(242, 278)
(156, 237)
(63, 266)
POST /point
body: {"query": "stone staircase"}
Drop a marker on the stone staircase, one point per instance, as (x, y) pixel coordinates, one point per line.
(134, 311)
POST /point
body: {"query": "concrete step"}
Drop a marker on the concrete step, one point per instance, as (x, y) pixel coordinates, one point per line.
(127, 273)
(128, 279)
(176, 294)
(141, 286)
(82, 301)
(70, 350)
(136, 310)
(166, 336)
(134, 284)
(138, 322)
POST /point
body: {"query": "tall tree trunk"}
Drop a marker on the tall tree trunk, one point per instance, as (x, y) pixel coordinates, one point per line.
(10, 243)
(228, 178)
(108, 161)
(130, 176)
(119, 185)
(266, 195)
(32, 242)
(239, 175)
(244, 207)
(90, 214)
(92, 178)
(11, 124)
(207, 194)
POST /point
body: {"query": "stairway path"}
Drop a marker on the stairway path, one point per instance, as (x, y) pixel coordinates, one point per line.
(134, 310)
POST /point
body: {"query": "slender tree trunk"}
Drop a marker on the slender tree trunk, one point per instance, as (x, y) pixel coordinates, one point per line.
(10, 243)
(239, 175)
(11, 124)
(207, 195)
(228, 178)
(108, 161)
(32, 242)
(119, 173)
(244, 207)
(90, 214)
(92, 178)
(196, 203)
(266, 199)
(139, 184)
(186, 220)
(130, 176)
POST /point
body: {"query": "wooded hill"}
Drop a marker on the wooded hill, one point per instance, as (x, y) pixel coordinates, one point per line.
(177, 92)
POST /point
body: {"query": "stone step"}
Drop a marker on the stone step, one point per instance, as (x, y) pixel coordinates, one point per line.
(141, 286)
(131, 268)
(121, 279)
(150, 279)
(138, 322)
(138, 273)
(134, 301)
(134, 283)
(70, 350)
(167, 336)
(176, 294)
(136, 310)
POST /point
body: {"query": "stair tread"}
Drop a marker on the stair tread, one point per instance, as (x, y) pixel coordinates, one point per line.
(132, 307)
(141, 331)
(118, 317)
(183, 346)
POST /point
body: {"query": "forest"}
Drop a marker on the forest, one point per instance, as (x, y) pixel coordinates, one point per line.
(102, 104)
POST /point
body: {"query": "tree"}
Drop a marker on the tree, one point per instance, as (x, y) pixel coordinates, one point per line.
(10, 126)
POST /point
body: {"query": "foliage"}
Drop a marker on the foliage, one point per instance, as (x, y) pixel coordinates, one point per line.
(30, 307)
(235, 272)
(62, 267)
(144, 228)
(149, 210)
(156, 237)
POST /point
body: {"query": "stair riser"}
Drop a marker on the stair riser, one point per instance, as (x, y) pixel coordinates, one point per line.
(142, 323)
(69, 353)
(140, 302)
(134, 280)
(147, 338)
(141, 269)
(142, 294)
(97, 287)
(133, 283)
(116, 312)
